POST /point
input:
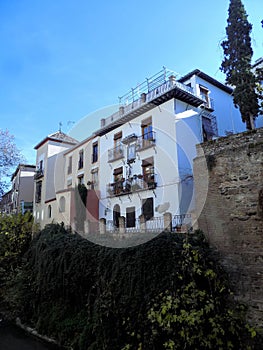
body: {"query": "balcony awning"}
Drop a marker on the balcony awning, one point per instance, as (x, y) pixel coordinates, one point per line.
(118, 171)
(147, 162)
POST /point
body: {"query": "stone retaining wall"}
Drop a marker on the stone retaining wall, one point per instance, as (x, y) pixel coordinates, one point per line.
(232, 216)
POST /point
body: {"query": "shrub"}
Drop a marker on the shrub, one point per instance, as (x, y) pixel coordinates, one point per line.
(169, 293)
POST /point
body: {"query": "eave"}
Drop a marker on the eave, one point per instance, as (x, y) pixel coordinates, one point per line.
(175, 92)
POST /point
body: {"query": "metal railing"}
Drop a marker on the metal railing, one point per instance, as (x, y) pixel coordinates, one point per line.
(39, 173)
(208, 102)
(133, 184)
(155, 224)
(146, 86)
(110, 227)
(115, 153)
(146, 140)
(135, 228)
(147, 91)
(181, 222)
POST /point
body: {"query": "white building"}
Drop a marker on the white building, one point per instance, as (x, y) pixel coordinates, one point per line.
(81, 167)
(49, 176)
(259, 65)
(147, 147)
(139, 164)
(20, 197)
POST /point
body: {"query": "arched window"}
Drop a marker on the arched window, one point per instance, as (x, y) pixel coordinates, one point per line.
(62, 204)
(49, 211)
(116, 215)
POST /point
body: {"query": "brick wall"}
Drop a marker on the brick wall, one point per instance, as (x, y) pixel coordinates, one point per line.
(228, 176)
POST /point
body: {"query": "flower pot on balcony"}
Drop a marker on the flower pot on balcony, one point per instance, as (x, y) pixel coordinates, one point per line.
(135, 187)
(178, 228)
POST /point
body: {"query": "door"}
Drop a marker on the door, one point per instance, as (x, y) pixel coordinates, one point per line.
(116, 215)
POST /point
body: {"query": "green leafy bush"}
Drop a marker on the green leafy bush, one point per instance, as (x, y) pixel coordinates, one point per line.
(15, 238)
(169, 293)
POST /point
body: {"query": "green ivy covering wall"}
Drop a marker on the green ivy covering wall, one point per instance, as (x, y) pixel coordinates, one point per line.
(166, 294)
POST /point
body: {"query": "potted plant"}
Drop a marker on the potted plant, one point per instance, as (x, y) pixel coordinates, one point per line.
(178, 228)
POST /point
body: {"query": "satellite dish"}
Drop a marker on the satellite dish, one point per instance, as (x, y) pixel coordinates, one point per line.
(161, 208)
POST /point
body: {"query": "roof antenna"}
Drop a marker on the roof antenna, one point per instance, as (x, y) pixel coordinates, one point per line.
(60, 126)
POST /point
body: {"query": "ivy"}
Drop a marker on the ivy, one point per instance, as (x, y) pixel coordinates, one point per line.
(169, 293)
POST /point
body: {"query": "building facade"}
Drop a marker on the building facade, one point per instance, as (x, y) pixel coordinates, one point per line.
(20, 197)
(49, 176)
(258, 65)
(139, 164)
(81, 169)
(148, 146)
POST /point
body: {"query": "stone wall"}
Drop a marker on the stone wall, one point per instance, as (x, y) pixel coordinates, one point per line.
(232, 212)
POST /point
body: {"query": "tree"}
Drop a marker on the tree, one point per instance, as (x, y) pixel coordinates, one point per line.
(259, 77)
(10, 156)
(237, 63)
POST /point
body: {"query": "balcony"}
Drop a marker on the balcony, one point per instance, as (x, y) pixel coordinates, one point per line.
(38, 174)
(208, 102)
(133, 184)
(146, 141)
(115, 153)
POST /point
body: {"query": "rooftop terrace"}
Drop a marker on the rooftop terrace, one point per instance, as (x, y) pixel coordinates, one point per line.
(154, 91)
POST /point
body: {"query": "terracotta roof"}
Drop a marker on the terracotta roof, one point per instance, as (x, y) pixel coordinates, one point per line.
(58, 136)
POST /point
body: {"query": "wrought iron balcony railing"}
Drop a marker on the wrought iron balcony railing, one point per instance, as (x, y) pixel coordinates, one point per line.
(115, 153)
(38, 174)
(208, 102)
(146, 140)
(133, 184)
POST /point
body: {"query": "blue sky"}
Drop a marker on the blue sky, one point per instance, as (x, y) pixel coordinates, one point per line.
(62, 60)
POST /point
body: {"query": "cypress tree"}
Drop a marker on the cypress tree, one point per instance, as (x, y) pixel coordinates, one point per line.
(237, 63)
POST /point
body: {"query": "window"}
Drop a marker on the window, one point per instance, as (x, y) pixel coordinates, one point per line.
(130, 217)
(38, 191)
(95, 152)
(39, 169)
(148, 173)
(118, 180)
(95, 179)
(70, 165)
(117, 139)
(41, 165)
(204, 94)
(81, 180)
(81, 157)
(49, 211)
(118, 174)
(62, 204)
(147, 208)
(147, 131)
(116, 215)
(118, 148)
